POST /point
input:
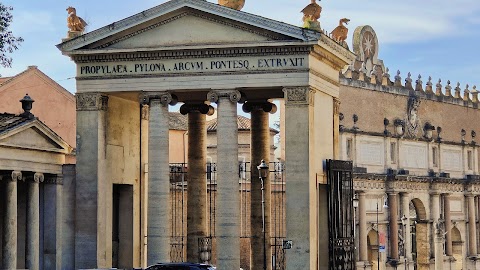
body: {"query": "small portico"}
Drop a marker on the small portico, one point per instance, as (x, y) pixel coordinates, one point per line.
(198, 53)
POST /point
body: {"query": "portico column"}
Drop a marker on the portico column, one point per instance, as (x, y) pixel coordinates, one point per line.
(406, 212)
(301, 187)
(158, 228)
(472, 232)
(228, 197)
(448, 225)
(33, 222)
(91, 181)
(260, 150)
(10, 222)
(197, 178)
(362, 228)
(393, 207)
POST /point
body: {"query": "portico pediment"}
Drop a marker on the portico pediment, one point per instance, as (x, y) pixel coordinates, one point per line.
(34, 136)
(186, 23)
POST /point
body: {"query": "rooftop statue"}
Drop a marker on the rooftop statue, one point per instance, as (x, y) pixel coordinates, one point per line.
(75, 23)
(235, 4)
(311, 14)
(340, 32)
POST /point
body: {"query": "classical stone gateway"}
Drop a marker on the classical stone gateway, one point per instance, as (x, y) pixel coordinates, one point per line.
(197, 53)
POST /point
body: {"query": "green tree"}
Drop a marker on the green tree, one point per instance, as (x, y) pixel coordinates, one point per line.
(8, 43)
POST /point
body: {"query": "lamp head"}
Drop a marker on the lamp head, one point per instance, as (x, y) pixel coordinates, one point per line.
(263, 169)
(355, 200)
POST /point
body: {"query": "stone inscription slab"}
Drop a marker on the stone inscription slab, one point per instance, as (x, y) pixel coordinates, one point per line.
(371, 153)
(414, 156)
(452, 160)
(209, 65)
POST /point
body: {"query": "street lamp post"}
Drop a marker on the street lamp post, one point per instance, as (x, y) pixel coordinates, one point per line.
(263, 171)
(404, 223)
(355, 206)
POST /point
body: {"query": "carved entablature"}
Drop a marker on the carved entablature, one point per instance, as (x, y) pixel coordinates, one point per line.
(408, 186)
(295, 96)
(91, 102)
(359, 184)
(406, 183)
(54, 179)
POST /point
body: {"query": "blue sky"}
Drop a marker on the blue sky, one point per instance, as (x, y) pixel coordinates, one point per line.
(435, 38)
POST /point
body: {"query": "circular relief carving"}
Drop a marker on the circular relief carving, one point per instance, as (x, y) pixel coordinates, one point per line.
(212, 96)
(368, 44)
(235, 96)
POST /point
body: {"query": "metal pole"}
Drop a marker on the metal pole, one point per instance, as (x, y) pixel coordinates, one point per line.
(263, 227)
(378, 241)
(404, 242)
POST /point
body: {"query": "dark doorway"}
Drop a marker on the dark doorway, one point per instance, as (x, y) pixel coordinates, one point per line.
(122, 226)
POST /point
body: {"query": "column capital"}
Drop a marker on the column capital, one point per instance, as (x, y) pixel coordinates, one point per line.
(16, 175)
(336, 106)
(264, 105)
(297, 96)
(38, 178)
(145, 111)
(91, 102)
(197, 107)
(233, 94)
(163, 98)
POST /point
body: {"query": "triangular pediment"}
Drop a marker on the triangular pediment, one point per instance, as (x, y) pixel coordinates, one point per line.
(34, 136)
(191, 28)
(187, 22)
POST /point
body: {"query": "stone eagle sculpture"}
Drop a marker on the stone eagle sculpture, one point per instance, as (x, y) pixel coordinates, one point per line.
(311, 14)
(75, 23)
(341, 31)
(234, 4)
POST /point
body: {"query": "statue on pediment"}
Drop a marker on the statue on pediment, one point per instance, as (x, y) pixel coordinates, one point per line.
(311, 14)
(75, 24)
(339, 34)
(234, 4)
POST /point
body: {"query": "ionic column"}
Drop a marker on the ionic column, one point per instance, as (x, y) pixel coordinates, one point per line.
(10, 222)
(406, 211)
(145, 110)
(228, 197)
(393, 205)
(260, 150)
(33, 222)
(362, 227)
(197, 178)
(448, 225)
(53, 250)
(438, 237)
(158, 228)
(472, 232)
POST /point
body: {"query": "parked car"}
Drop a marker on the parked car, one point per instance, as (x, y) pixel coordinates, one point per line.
(180, 266)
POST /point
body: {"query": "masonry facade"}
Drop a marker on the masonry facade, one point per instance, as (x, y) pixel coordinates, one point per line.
(416, 164)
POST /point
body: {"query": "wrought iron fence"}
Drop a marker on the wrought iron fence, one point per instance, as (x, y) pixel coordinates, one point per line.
(340, 215)
(178, 191)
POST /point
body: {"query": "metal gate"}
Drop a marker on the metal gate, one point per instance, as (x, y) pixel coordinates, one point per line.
(178, 198)
(340, 215)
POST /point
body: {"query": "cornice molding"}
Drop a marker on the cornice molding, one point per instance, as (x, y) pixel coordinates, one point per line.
(193, 54)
